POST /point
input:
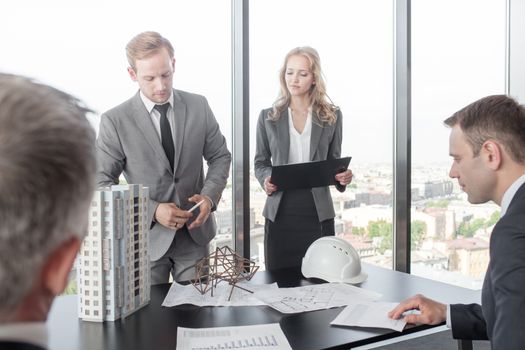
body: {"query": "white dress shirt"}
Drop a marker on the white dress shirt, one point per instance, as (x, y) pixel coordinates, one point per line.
(299, 142)
(25, 332)
(510, 192)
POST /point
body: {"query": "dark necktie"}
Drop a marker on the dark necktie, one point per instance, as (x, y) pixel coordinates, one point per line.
(165, 132)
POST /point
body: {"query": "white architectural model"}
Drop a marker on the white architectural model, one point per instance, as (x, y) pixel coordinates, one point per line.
(113, 271)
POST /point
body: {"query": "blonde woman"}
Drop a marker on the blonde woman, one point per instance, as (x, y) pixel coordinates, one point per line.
(302, 125)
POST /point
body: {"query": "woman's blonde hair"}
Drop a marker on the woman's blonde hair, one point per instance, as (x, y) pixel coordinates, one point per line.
(322, 106)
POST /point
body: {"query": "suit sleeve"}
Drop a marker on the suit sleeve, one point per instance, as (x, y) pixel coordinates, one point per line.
(218, 158)
(334, 151)
(112, 159)
(468, 322)
(507, 273)
(110, 155)
(263, 155)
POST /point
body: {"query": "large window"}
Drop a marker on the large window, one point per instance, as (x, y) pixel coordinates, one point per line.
(354, 41)
(457, 58)
(80, 48)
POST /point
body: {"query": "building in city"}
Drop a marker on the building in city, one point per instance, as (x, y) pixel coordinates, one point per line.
(470, 256)
(441, 188)
(373, 197)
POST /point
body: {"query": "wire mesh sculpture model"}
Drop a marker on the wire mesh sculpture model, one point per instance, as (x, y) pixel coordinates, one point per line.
(223, 265)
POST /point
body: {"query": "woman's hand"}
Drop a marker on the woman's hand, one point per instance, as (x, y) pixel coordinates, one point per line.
(269, 187)
(345, 177)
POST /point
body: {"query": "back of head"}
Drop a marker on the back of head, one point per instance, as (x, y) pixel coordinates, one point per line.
(144, 45)
(47, 168)
(496, 117)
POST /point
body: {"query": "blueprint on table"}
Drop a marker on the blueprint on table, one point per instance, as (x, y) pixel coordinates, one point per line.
(314, 297)
(188, 294)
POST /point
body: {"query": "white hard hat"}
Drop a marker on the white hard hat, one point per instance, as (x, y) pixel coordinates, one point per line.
(334, 260)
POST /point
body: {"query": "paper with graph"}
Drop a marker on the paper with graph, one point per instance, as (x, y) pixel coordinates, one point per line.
(258, 337)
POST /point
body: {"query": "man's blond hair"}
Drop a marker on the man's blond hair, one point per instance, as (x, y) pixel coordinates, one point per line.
(146, 44)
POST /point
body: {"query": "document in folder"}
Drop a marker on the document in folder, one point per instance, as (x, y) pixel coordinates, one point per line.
(307, 175)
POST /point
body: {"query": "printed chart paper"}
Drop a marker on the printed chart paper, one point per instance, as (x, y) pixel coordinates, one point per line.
(258, 337)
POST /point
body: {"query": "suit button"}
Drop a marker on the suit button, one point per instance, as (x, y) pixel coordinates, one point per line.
(176, 180)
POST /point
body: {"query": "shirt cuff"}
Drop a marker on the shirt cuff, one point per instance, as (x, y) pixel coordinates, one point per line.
(211, 202)
(449, 321)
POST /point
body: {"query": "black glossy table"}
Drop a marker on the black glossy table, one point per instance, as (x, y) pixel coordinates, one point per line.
(155, 327)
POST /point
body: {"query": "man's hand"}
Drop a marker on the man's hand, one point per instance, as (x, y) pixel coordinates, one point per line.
(204, 210)
(269, 187)
(345, 177)
(431, 312)
(171, 216)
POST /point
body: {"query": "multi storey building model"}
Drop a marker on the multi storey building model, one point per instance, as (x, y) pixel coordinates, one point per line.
(113, 266)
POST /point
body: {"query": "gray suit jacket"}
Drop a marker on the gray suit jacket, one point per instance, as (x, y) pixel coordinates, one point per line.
(501, 316)
(128, 143)
(273, 145)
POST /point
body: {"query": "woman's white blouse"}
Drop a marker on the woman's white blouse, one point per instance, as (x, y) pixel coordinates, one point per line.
(299, 143)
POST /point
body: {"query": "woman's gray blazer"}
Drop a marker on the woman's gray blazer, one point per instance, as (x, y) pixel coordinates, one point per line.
(273, 145)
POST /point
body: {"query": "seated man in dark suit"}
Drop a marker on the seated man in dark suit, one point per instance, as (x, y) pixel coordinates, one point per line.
(487, 143)
(47, 174)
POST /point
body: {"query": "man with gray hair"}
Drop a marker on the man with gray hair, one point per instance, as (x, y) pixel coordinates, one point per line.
(47, 176)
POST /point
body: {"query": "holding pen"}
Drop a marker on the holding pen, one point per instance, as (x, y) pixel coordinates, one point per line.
(200, 211)
(196, 206)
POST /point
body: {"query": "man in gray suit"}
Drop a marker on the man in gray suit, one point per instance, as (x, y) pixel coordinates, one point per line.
(47, 178)
(159, 138)
(487, 143)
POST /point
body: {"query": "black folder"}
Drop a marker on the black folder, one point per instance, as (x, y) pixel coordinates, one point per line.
(307, 175)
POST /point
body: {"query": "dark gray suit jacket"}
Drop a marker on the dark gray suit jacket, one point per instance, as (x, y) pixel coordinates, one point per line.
(273, 146)
(501, 318)
(14, 345)
(128, 143)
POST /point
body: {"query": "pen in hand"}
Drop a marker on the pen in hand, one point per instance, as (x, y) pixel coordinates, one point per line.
(196, 206)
